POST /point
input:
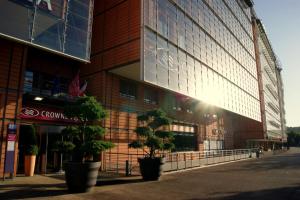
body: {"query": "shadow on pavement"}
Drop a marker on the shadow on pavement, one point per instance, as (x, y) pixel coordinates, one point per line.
(286, 193)
(119, 181)
(24, 191)
(10, 190)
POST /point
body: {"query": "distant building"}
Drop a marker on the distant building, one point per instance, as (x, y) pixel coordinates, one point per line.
(271, 89)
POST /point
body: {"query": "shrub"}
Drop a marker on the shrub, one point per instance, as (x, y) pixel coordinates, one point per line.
(84, 139)
(152, 134)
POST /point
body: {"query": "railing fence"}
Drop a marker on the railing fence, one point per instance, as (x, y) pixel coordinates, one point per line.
(127, 164)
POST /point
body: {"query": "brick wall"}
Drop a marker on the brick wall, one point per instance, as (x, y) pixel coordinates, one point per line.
(123, 113)
(116, 35)
(245, 129)
(12, 62)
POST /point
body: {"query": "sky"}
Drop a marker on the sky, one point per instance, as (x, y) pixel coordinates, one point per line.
(281, 19)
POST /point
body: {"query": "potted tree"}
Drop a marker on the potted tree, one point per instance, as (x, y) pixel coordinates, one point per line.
(153, 135)
(84, 140)
(31, 149)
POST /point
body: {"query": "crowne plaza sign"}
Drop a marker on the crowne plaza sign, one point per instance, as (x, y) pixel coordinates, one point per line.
(45, 114)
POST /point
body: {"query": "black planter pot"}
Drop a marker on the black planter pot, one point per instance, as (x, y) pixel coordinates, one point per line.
(81, 177)
(150, 168)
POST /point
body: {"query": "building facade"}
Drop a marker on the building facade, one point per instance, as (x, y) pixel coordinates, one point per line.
(42, 45)
(272, 102)
(194, 59)
(197, 60)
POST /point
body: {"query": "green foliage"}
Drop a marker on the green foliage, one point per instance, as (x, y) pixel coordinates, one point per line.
(152, 134)
(93, 132)
(136, 144)
(30, 135)
(164, 134)
(85, 109)
(169, 145)
(94, 147)
(293, 138)
(71, 132)
(143, 131)
(32, 150)
(294, 129)
(64, 147)
(30, 142)
(84, 139)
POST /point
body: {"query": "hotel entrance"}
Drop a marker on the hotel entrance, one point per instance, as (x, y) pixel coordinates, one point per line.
(47, 121)
(49, 159)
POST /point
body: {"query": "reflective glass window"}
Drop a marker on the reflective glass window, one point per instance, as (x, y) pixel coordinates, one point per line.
(128, 89)
(150, 56)
(162, 62)
(59, 25)
(173, 67)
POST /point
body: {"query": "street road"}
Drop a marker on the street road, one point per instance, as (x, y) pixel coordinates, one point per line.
(268, 178)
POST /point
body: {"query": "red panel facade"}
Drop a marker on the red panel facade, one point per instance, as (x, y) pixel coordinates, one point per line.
(12, 60)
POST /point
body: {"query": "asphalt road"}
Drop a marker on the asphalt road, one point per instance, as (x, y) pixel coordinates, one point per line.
(268, 178)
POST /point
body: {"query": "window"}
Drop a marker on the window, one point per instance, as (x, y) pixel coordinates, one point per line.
(150, 13)
(45, 84)
(28, 80)
(128, 89)
(162, 27)
(185, 141)
(60, 25)
(162, 62)
(150, 56)
(150, 96)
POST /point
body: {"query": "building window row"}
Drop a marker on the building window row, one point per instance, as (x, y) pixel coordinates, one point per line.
(129, 90)
(162, 55)
(168, 66)
(186, 32)
(189, 50)
(240, 27)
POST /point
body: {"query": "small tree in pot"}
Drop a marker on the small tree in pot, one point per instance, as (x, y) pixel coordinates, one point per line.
(85, 137)
(30, 149)
(152, 135)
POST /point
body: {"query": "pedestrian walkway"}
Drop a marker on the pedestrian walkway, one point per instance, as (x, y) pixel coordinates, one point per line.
(271, 177)
(52, 185)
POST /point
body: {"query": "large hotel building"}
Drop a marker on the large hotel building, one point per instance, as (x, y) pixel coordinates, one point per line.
(207, 63)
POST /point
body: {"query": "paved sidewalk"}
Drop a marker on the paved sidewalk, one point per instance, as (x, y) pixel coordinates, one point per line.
(39, 186)
(268, 178)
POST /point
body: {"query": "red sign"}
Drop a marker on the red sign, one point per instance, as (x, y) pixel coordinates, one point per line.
(45, 114)
(11, 137)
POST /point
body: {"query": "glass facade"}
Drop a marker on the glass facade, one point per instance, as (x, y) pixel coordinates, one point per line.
(270, 91)
(203, 49)
(63, 26)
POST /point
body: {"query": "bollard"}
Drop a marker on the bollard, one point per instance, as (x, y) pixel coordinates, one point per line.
(127, 168)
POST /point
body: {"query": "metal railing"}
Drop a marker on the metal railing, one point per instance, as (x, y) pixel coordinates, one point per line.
(127, 164)
(184, 160)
